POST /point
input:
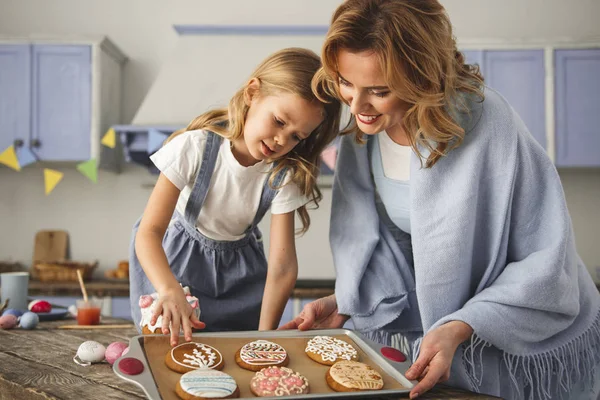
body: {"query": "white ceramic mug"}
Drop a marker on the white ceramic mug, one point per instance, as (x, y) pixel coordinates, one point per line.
(14, 286)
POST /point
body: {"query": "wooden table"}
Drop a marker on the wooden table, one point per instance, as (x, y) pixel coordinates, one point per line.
(38, 364)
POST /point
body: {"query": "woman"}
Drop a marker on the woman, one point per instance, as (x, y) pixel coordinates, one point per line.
(449, 227)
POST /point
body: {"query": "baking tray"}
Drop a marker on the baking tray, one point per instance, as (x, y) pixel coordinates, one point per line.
(158, 382)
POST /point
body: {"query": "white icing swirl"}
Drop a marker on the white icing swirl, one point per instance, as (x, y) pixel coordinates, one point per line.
(202, 356)
(331, 349)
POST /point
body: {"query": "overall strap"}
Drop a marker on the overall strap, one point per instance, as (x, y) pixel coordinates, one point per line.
(202, 183)
(267, 196)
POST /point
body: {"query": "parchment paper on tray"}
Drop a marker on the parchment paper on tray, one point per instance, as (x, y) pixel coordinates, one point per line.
(156, 347)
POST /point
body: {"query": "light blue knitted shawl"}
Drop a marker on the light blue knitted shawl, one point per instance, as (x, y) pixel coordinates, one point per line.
(493, 246)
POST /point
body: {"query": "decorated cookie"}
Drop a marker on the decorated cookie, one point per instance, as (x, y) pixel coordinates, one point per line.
(328, 350)
(205, 384)
(261, 353)
(191, 356)
(352, 376)
(278, 381)
(147, 305)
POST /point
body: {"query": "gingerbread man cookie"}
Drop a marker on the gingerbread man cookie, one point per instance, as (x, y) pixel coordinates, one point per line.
(191, 356)
(328, 350)
(256, 355)
(352, 376)
(278, 381)
(206, 384)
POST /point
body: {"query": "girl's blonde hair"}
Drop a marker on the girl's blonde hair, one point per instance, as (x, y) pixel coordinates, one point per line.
(420, 61)
(289, 70)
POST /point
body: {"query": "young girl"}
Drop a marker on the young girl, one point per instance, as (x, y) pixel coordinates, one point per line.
(218, 178)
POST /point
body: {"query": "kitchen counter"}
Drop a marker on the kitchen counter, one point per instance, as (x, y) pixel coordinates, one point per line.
(305, 288)
(38, 364)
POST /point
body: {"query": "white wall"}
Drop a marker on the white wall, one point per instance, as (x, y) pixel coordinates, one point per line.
(99, 217)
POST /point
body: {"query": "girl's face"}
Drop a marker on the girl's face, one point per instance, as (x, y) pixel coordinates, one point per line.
(276, 123)
(364, 89)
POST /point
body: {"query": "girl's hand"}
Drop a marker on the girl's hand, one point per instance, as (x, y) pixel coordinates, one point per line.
(319, 314)
(176, 313)
(435, 358)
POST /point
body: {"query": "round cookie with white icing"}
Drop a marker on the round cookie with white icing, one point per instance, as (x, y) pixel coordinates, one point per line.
(329, 350)
(278, 381)
(353, 376)
(191, 356)
(256, 355)
(206, 384)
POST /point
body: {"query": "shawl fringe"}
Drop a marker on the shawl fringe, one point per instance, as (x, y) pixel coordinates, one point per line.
(546, 375)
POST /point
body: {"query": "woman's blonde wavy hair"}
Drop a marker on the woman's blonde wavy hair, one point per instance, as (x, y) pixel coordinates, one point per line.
(289, 70)
(420, 61)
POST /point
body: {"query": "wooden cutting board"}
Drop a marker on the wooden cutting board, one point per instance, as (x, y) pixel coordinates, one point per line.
(51, 246)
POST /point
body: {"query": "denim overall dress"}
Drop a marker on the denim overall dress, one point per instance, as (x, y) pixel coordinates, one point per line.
(228, 277)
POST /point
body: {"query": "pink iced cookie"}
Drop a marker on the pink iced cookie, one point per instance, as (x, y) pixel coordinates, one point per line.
(278, 381)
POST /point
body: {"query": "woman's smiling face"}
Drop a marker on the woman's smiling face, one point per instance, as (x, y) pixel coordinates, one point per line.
(364, 89)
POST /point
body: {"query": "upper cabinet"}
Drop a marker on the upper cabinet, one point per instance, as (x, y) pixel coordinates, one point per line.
(62, 102)
(15, 94)
(519, 75)
(57, 98)
(577, 85)
(555, 89)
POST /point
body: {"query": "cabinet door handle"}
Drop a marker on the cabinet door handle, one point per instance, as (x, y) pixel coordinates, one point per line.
(35, 143)
(18, 143)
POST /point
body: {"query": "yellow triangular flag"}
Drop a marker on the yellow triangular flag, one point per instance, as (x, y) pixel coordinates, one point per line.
(51, 179)
(9, 158)
(109, 139)
(89, 169)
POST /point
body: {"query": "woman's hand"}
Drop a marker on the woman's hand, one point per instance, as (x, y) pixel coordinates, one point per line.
(319, 314)
(436, 354)
(176, 313)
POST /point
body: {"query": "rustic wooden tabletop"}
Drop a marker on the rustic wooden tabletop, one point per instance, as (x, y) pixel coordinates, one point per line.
(38, 364)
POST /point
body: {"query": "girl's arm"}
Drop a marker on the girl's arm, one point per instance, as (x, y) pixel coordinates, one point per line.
(148, 247)
(282, 271)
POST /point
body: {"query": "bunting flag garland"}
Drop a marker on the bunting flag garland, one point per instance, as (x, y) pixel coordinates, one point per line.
(9, 158)
(155, 140)
(51, 179)
(89, 169)
(25, 156)
(110, 138)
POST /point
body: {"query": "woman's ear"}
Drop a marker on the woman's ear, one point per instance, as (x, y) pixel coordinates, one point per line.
(252, 89)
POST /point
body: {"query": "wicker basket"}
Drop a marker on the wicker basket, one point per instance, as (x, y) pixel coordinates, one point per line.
(62, 271)
(6, 266)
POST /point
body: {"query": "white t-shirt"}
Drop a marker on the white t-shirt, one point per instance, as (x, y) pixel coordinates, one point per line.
(395, 158)
(234, 193)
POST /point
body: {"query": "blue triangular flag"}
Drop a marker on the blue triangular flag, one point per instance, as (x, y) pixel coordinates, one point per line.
(155, 140)
(25, 156)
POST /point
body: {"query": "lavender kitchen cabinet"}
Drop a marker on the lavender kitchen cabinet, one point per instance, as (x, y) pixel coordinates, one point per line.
(58, 97)
(577, 107)
(62, 105)
(15, 90)
(519, 75)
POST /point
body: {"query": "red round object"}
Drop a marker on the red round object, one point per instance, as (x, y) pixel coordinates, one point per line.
(393, 354)
(40, 306)
(131, 366)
